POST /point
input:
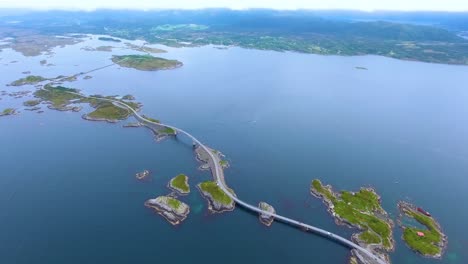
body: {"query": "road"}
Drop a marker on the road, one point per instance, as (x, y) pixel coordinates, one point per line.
(218, 174)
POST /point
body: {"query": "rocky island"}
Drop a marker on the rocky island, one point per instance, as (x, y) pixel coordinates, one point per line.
(218, 200)
(180, 184)
(31, 79)
(264, 218)
(204, 158)
(129, 97)
(8, 111)
(145, 62)
(107, 111)
(430, 242)
(361, 210)
(65, 99)
(173, 210)
(160, 131)
(31, 103)
(142, 175)
(100, 48)
(36, 44)
(57, 97)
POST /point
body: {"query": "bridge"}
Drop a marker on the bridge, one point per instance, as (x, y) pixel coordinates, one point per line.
(218, 174)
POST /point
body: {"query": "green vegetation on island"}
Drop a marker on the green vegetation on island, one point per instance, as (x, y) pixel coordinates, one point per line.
(61, 98)
(151, 119)
(218, 200)
(224, 164)
(180, 184)
(216, 193)
(128, 97)
(31, 102)
(370, 237)
(31, 79)
(167, 131)
(96, 100)
(58, 97)
(362, 210)
(109, 112)
(8, 111)
(145, 62)
(429, 241)
(173, 203)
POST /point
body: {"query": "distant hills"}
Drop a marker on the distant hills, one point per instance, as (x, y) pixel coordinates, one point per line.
(424, 36)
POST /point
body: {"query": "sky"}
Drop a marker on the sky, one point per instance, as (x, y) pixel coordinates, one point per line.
(364, 5)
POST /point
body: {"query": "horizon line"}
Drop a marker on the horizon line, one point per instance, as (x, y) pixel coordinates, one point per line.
(225, 8)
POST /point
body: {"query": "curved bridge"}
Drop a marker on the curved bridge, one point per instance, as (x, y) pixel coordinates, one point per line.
(218, 174)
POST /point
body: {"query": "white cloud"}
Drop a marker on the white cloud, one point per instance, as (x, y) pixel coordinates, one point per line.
(366, 5)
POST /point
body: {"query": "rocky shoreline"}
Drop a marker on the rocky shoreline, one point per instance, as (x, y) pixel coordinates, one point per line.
(135, 124)
(204, 158)
(264, 218)
(158, 135)
(65, 108)
(173, 210)
(87, 117)
(213, 205)
(405, 209)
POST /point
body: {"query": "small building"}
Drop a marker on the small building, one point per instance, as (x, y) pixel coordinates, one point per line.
(420, 234)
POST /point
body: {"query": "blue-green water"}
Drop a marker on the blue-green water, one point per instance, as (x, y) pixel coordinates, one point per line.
(68, 192)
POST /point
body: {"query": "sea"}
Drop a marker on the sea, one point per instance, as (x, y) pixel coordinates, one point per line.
(68, 192)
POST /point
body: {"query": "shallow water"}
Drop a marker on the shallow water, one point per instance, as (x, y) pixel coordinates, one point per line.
(69, 194)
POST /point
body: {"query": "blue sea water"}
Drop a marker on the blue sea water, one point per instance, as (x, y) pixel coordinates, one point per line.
(68, 192)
